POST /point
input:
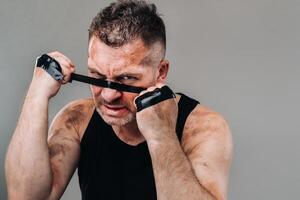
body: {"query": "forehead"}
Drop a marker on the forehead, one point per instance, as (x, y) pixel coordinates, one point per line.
(132, 53)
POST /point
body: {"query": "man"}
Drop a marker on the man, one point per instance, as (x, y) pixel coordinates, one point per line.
(120, 153)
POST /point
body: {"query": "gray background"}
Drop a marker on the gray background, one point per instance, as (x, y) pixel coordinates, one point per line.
(238, 57)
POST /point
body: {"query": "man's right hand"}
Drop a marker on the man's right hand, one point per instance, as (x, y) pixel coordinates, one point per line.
(44, 84)
(37, 168)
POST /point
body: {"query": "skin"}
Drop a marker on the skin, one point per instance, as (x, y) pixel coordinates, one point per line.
(195, 168)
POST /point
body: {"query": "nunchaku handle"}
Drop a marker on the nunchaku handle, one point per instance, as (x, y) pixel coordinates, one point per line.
(105, 83)
(153, 97)
(51, 66)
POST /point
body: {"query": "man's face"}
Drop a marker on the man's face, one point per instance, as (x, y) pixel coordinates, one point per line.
(131, 64)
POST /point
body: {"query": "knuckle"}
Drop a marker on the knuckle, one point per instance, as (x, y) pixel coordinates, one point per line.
(57, 52)
(69, 72)
(64, 64)
(150, 89)
(53, 53)
(160, 85)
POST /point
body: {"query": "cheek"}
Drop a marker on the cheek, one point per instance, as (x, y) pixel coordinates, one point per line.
(151, 78)
(129, 99)
(96, 91)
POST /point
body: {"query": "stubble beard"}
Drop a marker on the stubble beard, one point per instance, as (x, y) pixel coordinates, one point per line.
(113, 121)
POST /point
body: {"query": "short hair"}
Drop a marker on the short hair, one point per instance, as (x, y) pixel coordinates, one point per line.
(127, 20)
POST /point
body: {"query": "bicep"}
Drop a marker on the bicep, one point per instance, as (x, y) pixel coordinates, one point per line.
(64, 152)
(208, 146)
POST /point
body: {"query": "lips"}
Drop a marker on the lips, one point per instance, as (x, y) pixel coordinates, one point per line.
(115, 110)
(114, 107)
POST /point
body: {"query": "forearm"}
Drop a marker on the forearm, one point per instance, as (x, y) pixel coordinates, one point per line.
(27, 166)
(174, 176)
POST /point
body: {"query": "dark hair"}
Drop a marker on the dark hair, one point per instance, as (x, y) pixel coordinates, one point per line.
(126, 20)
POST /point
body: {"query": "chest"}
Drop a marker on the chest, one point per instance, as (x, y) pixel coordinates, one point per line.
(111, 169)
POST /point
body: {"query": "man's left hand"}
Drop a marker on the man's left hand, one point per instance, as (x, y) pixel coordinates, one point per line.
(158, 122)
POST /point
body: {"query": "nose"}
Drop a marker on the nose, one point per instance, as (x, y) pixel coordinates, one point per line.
(110, 95)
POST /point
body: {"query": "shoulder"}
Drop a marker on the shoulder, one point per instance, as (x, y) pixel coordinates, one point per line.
(74, 117)
(207, 142)
(205, 124)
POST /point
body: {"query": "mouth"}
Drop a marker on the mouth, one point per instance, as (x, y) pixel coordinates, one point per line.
(114, 107)
(116, 111)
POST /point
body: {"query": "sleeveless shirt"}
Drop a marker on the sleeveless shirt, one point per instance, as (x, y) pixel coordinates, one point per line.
(110, 169)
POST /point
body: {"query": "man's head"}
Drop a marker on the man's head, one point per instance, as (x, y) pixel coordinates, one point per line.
(126, 44)
(127, 20)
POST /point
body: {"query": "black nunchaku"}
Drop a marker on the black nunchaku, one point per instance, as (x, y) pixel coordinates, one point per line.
(51, 66)
(105, 83)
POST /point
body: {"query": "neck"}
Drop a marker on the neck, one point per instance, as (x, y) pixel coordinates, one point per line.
(129, 133)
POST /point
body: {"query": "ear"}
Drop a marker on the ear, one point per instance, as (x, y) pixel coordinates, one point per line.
(163, 70)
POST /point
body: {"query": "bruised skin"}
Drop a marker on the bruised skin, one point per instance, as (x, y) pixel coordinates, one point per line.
(206, 142)
(64, 139)
(208, 145)
(201, 159)
(76, 116)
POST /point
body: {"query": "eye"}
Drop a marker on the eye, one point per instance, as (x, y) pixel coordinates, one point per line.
(126, 78)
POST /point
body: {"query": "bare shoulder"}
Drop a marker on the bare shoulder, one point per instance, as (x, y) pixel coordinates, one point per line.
(204, 124)
(73, 117)
(207, 142)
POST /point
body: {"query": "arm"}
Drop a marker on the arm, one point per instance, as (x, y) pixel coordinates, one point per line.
(64, 145)
(28, 165)
(47, 171)
(27, 160)
(208, 145)
(199, 169)
(64, 139)
(174, 175)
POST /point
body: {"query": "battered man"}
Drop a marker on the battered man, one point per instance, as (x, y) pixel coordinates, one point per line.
(172, 149)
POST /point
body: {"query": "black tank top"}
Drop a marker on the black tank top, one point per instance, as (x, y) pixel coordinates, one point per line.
(110, 169)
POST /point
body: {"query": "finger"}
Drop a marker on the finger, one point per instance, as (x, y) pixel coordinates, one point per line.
(160, 85)
(150, 89)
(153, 97)
(67, 75)
(66, 65)
(68, 60)
(61, 57)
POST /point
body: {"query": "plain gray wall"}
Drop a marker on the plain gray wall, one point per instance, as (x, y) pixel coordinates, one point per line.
(239, 57)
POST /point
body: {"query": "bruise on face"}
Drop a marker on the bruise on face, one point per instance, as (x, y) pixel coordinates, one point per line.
(147, 61)
(134, 53)
(154, 55)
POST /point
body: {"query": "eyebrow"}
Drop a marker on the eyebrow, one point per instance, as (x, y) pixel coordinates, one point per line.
(92, 70)
(126, 73)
